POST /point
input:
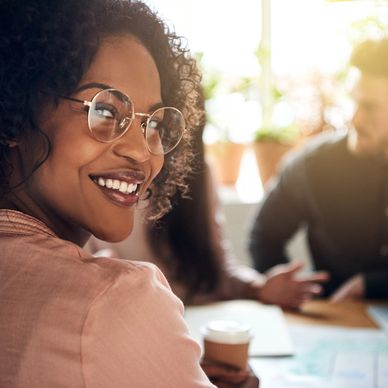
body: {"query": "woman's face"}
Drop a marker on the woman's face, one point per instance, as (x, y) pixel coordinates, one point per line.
(66, 192)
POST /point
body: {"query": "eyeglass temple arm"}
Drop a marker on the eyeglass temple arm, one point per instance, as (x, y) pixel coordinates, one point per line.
(84, 102)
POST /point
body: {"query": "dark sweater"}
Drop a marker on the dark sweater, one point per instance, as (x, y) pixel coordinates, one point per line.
(342, 200)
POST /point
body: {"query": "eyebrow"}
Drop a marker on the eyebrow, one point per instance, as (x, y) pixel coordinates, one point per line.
(98, 85)
(92, 85)
(156, 106)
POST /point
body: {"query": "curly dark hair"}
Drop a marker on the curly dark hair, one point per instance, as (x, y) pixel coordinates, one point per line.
(49, 45)
(194, 254)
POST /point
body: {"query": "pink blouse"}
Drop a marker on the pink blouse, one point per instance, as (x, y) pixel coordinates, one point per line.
(70, 320)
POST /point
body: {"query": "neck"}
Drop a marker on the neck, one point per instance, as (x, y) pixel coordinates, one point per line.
(62, 229)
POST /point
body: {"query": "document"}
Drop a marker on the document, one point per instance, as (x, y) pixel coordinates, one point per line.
(328, 357)
(270, 335)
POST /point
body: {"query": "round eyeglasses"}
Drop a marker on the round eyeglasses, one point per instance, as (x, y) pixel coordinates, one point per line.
(111, 113)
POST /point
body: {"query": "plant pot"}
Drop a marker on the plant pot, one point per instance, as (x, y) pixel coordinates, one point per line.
(268, 156)
(225, 159)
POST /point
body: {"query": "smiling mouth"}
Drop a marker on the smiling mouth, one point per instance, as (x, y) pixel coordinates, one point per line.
(118, 191)
(116, 184)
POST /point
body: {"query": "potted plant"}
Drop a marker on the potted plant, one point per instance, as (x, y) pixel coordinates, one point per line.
(223, 154)
(270, 144)
(225, 158)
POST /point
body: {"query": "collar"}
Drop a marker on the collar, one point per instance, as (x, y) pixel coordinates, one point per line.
(13, 222)
(16, 222)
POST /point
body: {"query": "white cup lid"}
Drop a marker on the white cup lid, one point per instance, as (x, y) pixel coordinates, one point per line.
(229, 332)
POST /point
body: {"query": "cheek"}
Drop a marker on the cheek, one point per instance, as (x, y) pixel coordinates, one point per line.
(62, 177)
(71, 144)
(71, 155)
(73, 147)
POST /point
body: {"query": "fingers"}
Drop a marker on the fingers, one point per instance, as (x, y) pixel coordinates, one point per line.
(221, 372)
(228, 376)
(341, 294)
(338, 296)
(304, 292)
(309, 291)
(285, 269)
(288, 290)
(296, 302)
(320, 277)
(353, 288)
(294, 267)
(305, 287)
(312, 289)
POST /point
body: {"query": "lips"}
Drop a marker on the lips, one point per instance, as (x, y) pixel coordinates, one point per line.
(120, 187)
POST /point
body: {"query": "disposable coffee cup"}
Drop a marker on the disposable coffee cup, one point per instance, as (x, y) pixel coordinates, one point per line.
(227, 342)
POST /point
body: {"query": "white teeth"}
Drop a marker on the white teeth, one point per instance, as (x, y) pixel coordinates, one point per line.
(131, 188)
(115, 184)
(123, 187)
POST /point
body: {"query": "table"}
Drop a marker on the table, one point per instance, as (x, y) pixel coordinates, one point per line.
(336, 346)
(322, 312)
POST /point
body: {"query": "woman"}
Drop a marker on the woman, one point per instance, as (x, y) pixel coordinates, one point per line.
(91, 102)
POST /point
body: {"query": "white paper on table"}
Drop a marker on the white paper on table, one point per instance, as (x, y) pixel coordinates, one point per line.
(380, 315)
(269, 328)
(328, 357)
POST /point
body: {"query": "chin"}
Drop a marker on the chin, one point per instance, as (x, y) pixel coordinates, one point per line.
(113, 235)
(115, 238)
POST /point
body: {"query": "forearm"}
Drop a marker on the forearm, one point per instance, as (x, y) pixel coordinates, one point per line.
(235, 282)
(240, 281)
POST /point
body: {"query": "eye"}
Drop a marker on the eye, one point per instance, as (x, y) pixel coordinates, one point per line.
(105, 111)
(155, 123)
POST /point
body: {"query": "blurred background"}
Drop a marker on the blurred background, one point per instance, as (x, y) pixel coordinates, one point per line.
(275, 73)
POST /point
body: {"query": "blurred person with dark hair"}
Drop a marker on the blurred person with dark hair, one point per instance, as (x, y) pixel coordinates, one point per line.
(337, 187)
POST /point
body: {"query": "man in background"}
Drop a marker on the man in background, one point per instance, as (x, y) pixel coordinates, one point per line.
(337, 187)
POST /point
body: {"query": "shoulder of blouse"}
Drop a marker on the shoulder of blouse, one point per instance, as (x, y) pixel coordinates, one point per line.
(135, 333)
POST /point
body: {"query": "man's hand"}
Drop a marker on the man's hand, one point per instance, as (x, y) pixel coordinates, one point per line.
(284, 288)
(225, 376)
(354, 288)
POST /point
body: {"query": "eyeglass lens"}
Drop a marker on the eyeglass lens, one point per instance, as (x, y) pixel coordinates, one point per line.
(112, 112)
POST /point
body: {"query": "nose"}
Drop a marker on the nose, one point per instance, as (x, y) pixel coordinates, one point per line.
(132, 144)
